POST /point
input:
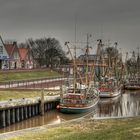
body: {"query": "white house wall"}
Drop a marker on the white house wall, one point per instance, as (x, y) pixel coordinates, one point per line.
(3, 56)
(5, 64)
(3, 52)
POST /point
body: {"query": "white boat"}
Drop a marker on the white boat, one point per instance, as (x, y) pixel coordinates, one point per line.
(109, 89)
(109, 76)
(133, 84)
(110, 94)
(109, 100)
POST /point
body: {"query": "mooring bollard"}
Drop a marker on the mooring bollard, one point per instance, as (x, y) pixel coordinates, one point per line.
(42, 103)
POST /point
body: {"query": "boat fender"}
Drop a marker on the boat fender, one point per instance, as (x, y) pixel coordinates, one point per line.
(82, 96)
(57, 107)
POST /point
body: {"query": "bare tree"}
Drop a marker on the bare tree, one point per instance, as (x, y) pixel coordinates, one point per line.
(47, 52)
(54, 54)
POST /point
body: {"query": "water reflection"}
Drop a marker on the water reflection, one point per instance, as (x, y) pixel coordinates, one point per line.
(50, 117)
(128, 104)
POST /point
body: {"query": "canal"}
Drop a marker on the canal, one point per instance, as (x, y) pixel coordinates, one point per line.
(128, 104)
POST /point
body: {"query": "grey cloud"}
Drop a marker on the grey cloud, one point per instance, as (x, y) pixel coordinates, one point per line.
(115, 19)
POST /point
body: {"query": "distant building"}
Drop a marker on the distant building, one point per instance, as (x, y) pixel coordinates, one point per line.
(25, 58)
(14, 58)
(4, 56)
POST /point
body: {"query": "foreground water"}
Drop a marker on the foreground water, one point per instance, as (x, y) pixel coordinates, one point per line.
(128, 104)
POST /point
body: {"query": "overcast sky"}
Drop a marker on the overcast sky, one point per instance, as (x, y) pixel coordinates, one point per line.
(114, 20)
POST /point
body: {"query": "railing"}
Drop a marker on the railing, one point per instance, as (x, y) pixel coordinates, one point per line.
(38, 83)
(32, 82)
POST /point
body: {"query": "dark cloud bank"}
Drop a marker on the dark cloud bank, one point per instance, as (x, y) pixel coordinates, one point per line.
(115, 20)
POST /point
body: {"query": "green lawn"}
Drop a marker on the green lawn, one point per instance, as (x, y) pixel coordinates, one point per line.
(118, 129)
(23, 75)
(6, 95)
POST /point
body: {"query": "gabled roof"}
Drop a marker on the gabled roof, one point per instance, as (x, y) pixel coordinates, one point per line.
(4, 53)
(23, 53)
(10, 48)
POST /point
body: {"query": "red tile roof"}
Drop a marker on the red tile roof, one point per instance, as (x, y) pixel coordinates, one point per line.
(23, 53)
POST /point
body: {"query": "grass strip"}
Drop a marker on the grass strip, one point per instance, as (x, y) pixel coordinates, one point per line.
(117, 129)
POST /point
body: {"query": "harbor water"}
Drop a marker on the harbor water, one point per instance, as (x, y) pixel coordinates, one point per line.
(125, 105)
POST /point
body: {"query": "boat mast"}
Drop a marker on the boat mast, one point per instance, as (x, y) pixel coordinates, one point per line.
(109, 61)
(75, 69)
(87, 58)
(126, 67)
(134, 61)
(138, 63)
(102, 58)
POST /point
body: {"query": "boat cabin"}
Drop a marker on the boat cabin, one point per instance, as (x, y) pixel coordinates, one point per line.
(72, 98)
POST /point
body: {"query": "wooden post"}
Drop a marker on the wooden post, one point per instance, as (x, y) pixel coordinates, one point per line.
(12, 115)
(42, 103)
(25, 112)
(7, 115)
(2, 119)
(21, 113)
(36, 109)
(29, 111)
(33, 110)
(17, 114)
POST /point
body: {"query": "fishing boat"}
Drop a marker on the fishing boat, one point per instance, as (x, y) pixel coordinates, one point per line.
(132, 81)
(109, 76)
(104, 101)
(133, 84)
(79, 100)
(80, 96)
(109, 89)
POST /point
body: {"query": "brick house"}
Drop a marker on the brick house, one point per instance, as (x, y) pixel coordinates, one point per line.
(14, 58)
(25, 58)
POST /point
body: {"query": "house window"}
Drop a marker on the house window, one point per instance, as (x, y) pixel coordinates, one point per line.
(1, 49)
(23, 64)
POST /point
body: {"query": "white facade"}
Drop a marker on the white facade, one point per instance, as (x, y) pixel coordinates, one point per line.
(3, 57)
(3, 52)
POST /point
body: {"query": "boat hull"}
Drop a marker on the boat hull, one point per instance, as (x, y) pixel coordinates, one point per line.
(76, 110)
(109, 94)
(110, 100)
(132, 87)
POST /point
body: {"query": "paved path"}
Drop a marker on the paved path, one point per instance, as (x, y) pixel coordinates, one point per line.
(27, 83)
